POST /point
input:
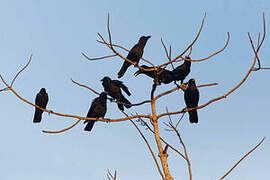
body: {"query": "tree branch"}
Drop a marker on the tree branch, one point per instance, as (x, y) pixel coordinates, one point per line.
(190, 45)
(18, 73)
(182, 143)
(70, 115)
(110, 176)
(148, 145)
(221, 97)
(165, 142)
(98, 58)
(208, 57)
(182, 86)
(63, 130)
(236, 164)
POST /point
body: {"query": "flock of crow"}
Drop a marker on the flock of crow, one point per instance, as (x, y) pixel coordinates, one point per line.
(113, 88)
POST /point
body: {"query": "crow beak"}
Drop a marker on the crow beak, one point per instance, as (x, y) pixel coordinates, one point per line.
(148, 37)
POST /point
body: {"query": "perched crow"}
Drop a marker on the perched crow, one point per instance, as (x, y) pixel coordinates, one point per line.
(42, 101)
(134, 55)
(98, 109)
(191, 96)
(181, 72)
(113, 88)
(166, 76)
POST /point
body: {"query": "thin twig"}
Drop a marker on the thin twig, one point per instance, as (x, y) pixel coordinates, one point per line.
(164, 46)
(208, 57)
(264, 33)
(110, 176)
(63, 130)
(236, 164)
(110, 45)
(98, 58)
(114, 175)
(18, 73)
(193, 42)
(260, 44)
(190, 51)
(167, 54)
(179, 120)
(121, 56)
(256, 54)
(82, 85)
(190, 45)
(125, 49)
(109, 32)
(29, 61)
(170, 54)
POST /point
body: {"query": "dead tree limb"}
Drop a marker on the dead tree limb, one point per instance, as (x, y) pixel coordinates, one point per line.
(236, 164)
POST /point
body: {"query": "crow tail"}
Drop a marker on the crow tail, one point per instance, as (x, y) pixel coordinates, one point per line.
(89, 125)
(38, 115)
(124, 100)
(193, 116)
(123, 69)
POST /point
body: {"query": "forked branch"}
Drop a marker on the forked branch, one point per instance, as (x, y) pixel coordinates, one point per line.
(170, 125)
(17, 74)
(110, 176)
(189, 46)
(212, 55)
(110, 45)
(148, 145)
(223, 96)
(165, 142)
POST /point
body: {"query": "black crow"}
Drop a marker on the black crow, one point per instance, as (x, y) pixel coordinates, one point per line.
(42, 101)
(113, 88)
(191, 96)
(135, 54)
(166, 76)
(97, 110)
(181, 72)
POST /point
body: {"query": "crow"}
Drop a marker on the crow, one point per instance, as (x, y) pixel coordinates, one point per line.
(135, 54)
(98, 109)
(191, 96)
(42, 101)
(166, 76)
(113, 88)
(181, 72)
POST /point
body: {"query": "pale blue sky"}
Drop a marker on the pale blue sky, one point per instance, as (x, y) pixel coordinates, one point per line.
(56, 32)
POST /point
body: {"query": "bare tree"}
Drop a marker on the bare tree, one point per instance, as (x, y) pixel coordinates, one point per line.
(152, 120)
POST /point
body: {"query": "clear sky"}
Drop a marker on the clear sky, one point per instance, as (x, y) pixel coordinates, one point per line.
(56, 32)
